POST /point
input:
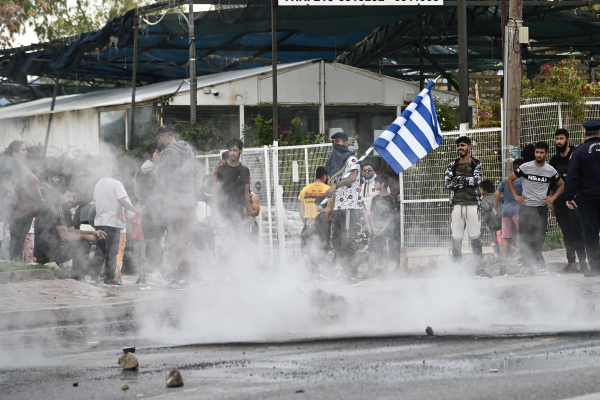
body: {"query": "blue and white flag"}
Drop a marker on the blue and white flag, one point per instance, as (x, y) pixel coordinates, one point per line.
(413, 134)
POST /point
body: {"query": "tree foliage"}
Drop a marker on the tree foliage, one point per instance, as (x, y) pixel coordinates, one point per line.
(488, 114)
(13, 13)
(447, 113)
(564, 83)
(55, 19)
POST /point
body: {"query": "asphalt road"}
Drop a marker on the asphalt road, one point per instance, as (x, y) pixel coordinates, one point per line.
(45, 363)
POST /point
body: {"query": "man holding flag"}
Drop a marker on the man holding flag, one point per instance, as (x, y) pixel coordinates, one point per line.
(463, 176)
(413, 134)
(344, 190)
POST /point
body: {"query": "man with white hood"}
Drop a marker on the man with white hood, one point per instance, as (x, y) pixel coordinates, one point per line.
(149, 195)
(175, 175)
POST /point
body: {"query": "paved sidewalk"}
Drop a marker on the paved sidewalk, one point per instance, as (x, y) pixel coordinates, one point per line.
(59, 302)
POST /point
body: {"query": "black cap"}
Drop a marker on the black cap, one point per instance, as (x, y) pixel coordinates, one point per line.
(592, 126)
(340, 135)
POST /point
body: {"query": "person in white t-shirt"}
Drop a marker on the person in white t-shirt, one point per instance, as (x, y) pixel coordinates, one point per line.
(109, 196)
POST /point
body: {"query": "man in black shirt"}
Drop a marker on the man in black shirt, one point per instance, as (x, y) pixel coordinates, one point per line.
(231, 194)
(56, 239)
(568, 220)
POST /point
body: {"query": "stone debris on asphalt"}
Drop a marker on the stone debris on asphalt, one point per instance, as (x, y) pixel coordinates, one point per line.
(129, 361)
(174, 378)
(429, 331)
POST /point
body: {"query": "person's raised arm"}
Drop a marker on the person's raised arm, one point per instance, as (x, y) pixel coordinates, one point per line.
(496, 199)
(127, 205)
(343, 182)
(66, 235)
(560, 188)
(510, 182)
(302, 210)
(247, 201)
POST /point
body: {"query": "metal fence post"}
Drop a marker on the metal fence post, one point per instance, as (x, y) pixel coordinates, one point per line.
(560, 125)
(269, 207)
(306, 165)
(401, 184)
(279, 204)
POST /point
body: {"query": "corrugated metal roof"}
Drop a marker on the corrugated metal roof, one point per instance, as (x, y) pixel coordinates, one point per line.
(116, 97)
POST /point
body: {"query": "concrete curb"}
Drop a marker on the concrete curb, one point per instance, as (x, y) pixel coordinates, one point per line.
(25, 275)
(24, 319)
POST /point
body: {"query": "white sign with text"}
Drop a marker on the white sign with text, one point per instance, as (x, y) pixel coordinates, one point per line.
(360, 2)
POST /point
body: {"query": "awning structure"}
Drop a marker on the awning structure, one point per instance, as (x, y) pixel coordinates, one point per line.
(383, 39)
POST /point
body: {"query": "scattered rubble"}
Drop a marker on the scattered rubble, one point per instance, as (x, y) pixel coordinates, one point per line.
(174, 378)
(429, 331)
(129, 349)
(124, 387)
(93, 345)
(76, 384)
(129, 361)
(330, 307)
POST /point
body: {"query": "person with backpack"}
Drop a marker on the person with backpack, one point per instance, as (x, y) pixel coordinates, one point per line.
(21, 196)
(462, 179)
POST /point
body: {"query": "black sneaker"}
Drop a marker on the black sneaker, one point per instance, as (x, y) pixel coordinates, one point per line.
(352, 282)
(570, 268)
(592, 274)
(503, 269)
(111, 283)
(583, 267)
(177, 285)
(481, 274)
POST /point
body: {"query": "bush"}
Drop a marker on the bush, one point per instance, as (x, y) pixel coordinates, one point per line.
(488, 114)
(447, 113)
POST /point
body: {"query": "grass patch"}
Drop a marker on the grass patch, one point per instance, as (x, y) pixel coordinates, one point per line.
(6, 266)
(554, 241)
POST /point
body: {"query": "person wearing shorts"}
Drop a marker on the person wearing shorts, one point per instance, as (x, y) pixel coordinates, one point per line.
(510, 215)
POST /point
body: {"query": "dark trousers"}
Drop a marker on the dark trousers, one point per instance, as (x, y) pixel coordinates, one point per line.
(80, 252)
(570, 225)
(314, 242)
(395, 239)
(533, 222)
(19, 227)
(345, 232)
(106, 250)
(154, 229)
(589, 210)
(179, 223)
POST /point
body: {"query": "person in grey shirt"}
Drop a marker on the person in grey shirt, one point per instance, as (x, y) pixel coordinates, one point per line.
(536, 177)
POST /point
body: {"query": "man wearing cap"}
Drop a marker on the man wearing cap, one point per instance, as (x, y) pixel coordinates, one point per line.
(344, 190)
(582, 192)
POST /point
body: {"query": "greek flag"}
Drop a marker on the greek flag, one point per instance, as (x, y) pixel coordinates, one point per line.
(413, 134)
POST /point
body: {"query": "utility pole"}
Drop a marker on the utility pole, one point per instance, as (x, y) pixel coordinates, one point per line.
(512, 77)
(421, 66)
(274, 64)
(463, 65)
(193, 84)
(131, 134)
(503, 23)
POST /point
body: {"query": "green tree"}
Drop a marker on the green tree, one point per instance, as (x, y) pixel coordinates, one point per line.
(447, 113)
(12, 15)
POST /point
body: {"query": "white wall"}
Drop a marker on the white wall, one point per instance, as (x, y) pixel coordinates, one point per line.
(343, 86)
(71, 132)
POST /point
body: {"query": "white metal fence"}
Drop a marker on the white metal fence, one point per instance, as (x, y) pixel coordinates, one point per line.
(279, 173)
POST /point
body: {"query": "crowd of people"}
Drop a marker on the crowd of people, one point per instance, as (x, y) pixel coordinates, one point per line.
(163, 208)
(569, 184)
(348, 212)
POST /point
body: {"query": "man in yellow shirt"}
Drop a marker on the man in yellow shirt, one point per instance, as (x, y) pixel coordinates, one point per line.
(314, 236)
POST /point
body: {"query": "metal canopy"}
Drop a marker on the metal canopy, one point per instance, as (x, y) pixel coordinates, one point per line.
(236, 37)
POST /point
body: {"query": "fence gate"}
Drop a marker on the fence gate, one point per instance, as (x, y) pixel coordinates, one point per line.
(277, 175)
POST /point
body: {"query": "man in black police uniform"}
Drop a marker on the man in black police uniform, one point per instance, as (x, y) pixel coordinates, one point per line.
(582, 191)
(568, 220)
